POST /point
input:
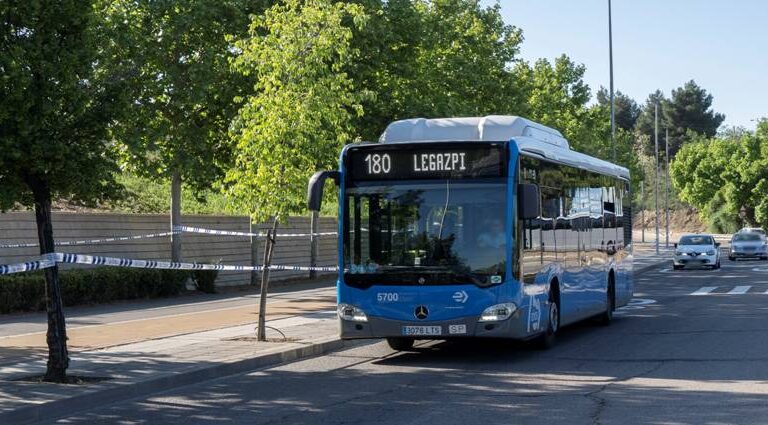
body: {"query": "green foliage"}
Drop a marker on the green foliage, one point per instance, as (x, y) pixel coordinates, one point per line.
(557, 97)
(626, 110)
(26, 291)
(145, 196)
(175, 56)
(451, 61)
(687, 114)
(56, 103)
(697, 170)
(719, 218)
(727, 179)
(301, 113)
(690, 112)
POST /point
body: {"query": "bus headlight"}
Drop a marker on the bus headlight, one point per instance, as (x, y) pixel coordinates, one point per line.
(351, 313)
(498, 312)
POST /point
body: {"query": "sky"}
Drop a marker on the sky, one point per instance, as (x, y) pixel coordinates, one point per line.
(722, 45)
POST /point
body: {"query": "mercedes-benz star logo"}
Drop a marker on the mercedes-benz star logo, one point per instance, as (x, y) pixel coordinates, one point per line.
(422, 281)
(421, 312)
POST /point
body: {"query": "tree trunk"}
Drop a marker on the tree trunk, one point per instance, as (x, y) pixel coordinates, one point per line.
(176, 216)
(58, 355)
(269, 246)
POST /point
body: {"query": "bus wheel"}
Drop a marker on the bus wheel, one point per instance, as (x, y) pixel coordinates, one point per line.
(547, 339)
(400, 344)
(607, 317)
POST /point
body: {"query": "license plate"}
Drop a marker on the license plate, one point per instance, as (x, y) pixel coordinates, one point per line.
(422, 330)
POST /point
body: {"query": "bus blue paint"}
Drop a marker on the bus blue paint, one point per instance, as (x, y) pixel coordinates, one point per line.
(537, 271)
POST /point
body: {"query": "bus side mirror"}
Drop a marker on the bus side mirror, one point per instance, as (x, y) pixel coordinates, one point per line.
(528, 201)
(315, 188)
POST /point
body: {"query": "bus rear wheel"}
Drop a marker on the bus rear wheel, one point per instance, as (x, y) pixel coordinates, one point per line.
(547, 339)
(400, 344)
(606, 318)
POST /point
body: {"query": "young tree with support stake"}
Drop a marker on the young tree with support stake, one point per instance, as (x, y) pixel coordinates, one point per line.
(56, 105)
(301, 113)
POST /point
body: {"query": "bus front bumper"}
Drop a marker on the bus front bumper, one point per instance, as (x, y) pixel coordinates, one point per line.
(376, 327)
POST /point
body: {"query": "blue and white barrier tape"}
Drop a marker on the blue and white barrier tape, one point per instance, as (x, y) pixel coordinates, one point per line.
(92, 241)
(189, 229)
(168, 265)
(49, 260)
(26, 267)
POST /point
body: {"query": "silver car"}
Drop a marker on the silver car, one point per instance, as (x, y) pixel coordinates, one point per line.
(697, 250)
(753, 230)
(748, 245)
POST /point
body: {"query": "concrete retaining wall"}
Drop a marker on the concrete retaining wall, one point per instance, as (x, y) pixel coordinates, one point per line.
(19, 227)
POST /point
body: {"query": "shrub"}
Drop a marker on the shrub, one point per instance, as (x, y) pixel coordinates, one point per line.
(26, 291)
(205, 280)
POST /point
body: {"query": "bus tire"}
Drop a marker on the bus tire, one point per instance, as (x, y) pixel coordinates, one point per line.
(400, 344)
(547, 339)
(606, 318)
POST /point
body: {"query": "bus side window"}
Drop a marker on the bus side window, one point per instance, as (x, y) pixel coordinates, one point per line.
(550, 210)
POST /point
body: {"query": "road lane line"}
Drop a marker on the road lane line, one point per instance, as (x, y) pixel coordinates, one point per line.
(704, 290)
(739, 290)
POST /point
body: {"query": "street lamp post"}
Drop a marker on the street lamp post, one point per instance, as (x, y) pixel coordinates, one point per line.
(610, 62)
(666, 193)
(656, 180)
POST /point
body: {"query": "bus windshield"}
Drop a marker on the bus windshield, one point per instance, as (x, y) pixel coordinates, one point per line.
(425, 232)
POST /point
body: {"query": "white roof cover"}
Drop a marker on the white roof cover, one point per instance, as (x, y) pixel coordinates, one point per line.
(531, 137)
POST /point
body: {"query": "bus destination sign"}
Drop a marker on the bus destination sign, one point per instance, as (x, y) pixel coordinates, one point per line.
(426, 162)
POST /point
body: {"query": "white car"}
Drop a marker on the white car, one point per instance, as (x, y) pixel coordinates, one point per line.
(697, 250)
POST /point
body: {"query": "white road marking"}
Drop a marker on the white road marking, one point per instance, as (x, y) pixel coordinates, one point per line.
(705, 290)
(739, 290)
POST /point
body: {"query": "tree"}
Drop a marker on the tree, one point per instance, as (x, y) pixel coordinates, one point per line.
(690, 110)
(557, 97)
(178, 53)
(56, 106)
(725, 177)
(686, 114)
(626, 110)
(453, 60)
(646, 122)
(303, 106)
(697, 170)
(746, 177)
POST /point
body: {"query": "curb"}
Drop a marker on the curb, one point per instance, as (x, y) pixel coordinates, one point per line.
(68, 406)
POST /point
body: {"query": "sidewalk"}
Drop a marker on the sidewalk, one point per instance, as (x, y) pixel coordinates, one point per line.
(154, 354)
(645, 256)
(144, 351)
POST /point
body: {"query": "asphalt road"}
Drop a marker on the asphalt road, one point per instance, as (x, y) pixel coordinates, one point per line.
(672, 358)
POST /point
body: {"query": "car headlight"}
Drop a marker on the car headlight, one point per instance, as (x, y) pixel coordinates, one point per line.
(711, 252)
(498, 312)
(678, 253)
(351, 313)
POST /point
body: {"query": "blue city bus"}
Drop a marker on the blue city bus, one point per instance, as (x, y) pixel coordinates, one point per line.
(477, 227)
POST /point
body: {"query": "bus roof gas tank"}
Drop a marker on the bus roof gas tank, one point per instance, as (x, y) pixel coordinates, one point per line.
(482, 129)
(531, 138)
